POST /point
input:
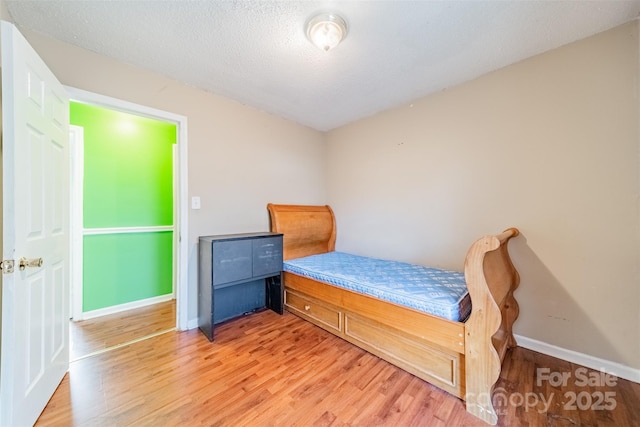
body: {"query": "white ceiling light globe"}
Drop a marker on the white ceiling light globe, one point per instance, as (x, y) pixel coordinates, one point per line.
(326, 31)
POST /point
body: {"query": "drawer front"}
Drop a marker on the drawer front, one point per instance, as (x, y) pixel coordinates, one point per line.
(319, 314)
(267, 256)
(439, 367)
(231, 261)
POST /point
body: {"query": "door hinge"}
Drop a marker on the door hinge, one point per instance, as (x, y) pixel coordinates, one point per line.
(7, 266)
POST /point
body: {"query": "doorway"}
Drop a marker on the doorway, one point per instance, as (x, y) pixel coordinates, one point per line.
(179, 211)
(35, 154)
(127, 216)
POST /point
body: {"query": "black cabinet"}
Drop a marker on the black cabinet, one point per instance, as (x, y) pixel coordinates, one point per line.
(238, 274)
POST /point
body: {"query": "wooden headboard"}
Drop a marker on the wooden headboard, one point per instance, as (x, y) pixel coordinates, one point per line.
(308, 230)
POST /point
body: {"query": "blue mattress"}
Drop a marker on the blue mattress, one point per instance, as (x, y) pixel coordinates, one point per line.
(439, 292)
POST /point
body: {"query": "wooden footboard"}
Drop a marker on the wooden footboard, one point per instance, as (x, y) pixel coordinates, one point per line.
(462, 358)
(491, 280)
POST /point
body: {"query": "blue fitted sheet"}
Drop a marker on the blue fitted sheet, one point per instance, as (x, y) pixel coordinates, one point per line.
(442, 293)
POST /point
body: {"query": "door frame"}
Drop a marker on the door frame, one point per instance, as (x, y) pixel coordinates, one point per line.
(76, 149)
(181, 217)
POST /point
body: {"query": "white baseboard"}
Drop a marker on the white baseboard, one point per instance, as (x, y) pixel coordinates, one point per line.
(124, 307)
(614, 368)
(192, 324)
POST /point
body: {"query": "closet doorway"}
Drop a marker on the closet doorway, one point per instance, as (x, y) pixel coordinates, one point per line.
(127, 252)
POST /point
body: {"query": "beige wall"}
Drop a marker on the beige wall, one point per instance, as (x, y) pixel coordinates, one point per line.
(4, 13)
(549, 145)
(239, 158)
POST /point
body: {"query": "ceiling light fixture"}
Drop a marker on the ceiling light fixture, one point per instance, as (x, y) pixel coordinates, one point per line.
(326, 30)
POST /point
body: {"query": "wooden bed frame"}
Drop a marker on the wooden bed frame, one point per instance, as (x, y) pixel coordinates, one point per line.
(463, 358)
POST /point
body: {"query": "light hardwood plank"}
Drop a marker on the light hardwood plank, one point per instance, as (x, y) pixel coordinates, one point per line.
(271, 370)
(94, 335)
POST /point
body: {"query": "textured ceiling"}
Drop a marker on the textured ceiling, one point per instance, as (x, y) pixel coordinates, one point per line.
(256, 52)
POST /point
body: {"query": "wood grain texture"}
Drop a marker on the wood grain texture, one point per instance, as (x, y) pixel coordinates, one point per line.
(482, 340)
(491, 279)
(100, 333)
(442, 332)
(271, 370)
(314, 232)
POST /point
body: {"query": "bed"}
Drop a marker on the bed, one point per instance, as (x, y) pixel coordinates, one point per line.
(463, 356)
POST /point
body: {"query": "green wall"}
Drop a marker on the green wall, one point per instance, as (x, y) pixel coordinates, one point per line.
(128, 182)
(121, 268)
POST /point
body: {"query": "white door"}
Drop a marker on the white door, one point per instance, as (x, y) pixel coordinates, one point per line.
(34, 351)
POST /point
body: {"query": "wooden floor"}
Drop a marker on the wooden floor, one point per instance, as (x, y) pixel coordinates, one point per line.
(95, 335)
(271, 370)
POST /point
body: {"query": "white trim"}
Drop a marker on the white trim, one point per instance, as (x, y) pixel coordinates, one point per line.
(124, 230)
(182, 218)
(83, 96)
(75, 228)
(193, 323)
(175, 157)
(128, 306)
(182, 235)
(614, 368)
